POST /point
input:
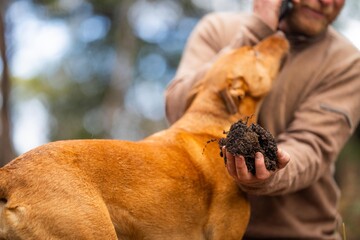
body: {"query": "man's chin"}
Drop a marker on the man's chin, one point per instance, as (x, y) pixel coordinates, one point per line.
(314, 31)
(310, 29)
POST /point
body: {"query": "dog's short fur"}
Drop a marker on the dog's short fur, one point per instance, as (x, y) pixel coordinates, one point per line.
(170, 185)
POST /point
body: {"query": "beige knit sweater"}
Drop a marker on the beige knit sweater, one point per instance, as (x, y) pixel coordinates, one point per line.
(312, 110)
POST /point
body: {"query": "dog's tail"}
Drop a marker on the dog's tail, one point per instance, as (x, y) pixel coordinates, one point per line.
(4, 198)
(4, 178)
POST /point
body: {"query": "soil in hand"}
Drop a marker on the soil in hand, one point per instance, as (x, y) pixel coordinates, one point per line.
(247, 140)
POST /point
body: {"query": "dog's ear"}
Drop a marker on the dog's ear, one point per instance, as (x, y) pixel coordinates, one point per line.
(233, 94)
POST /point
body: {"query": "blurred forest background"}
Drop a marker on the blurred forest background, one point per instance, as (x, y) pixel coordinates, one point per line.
(98, 69)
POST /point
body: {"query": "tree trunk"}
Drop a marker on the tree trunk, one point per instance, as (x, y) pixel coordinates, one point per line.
(6, 147)
(123, 70)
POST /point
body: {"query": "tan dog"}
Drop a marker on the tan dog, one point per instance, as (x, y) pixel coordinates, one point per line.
(163, 187)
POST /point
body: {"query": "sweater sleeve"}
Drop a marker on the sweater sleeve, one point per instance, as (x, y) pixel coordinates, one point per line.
(321, 126)
(216, 34)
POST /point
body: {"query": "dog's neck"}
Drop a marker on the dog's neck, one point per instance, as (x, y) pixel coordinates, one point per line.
(209, 115)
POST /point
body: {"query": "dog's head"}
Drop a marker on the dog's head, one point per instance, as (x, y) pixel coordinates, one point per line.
(246, 72)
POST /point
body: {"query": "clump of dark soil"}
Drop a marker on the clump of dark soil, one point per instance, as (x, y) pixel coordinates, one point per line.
(246, 140)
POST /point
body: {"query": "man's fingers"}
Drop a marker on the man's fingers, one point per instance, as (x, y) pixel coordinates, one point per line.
(261, 172)
(268, 12)
(241, 168)
(223, 154)
(283, 158)
(237, 168)
(230, 164)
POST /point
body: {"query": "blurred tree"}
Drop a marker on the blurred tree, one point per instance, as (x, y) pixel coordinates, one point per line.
(6, 151)
(123, 73)
(96, 90)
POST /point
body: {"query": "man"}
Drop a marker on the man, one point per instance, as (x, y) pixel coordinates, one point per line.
(312, 110)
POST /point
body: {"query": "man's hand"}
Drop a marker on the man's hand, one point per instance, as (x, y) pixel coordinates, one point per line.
(237, 168)
(268, 11)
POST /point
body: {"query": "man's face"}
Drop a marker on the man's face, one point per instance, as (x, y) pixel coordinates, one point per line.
(312, 17)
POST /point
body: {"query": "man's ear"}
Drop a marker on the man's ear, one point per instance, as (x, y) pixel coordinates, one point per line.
(233, 94)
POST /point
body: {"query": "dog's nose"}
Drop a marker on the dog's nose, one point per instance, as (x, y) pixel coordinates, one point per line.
(280, 34)
(273, 48)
